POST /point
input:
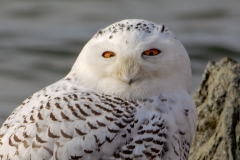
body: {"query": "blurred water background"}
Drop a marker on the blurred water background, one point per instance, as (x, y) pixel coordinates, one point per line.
(40, 40)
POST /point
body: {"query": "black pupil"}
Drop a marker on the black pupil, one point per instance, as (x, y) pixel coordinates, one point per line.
(151, 53)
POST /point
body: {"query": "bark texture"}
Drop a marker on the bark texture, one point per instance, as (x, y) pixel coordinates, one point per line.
(218, 105)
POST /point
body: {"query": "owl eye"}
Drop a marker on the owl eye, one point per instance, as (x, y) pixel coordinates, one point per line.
(151, 52)
(108, 54)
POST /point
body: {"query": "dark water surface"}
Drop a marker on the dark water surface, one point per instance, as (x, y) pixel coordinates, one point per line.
(40, 40)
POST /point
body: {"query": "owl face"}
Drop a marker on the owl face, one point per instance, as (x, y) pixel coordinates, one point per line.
(134, 59)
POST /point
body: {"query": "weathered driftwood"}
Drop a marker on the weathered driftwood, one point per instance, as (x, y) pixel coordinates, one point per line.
(218, 104)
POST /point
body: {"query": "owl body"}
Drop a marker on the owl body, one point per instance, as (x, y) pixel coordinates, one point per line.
(125, 106)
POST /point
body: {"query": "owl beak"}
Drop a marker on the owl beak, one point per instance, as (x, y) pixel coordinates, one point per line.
(130, 81)
(129, 71)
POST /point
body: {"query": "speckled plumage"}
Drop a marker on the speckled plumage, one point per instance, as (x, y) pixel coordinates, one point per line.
(94, 113)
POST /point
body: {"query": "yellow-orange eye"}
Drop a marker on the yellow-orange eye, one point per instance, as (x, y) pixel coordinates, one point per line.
(108, 54)
(151, 52)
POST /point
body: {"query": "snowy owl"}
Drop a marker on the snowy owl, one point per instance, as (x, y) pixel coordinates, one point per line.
(126, 97)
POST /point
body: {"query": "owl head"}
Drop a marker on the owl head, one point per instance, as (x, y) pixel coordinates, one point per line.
(133, 59)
